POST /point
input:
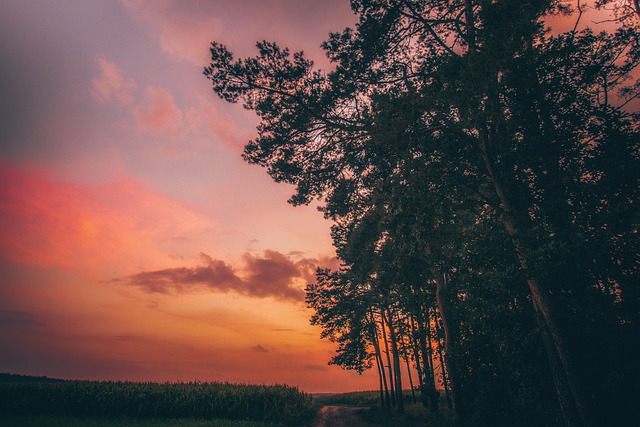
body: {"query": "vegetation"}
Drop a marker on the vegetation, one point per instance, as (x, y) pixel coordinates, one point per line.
(197, 400)
(367, 404)
(356, 398)
(414, 415)
(60, 421)
(483, 177)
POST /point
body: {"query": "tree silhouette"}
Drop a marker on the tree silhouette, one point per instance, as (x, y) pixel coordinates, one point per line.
(489, 170)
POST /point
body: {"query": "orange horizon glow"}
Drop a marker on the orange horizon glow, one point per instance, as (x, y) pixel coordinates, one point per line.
(136, 244)
(73, 316)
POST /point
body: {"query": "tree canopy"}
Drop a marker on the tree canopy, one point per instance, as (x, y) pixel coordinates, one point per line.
(483, 179)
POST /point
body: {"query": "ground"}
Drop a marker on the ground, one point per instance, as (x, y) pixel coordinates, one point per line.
(339, 416)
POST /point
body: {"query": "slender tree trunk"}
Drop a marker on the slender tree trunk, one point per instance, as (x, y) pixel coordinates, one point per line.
(445, 374)
(380, 368)
(421, 365)
(396, 363)
(384, 398)
(470, 33)
(425, 332)
(386, 347)
(451, 333)
(573, 403)
(429, 368)
(413, 392)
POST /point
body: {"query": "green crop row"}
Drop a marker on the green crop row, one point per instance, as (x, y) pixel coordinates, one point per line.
(206, 400)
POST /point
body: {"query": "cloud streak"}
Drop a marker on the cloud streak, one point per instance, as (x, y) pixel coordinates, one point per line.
(158, 113)
(16, 317)
(111, 83)
(259, 349)
(270, 275)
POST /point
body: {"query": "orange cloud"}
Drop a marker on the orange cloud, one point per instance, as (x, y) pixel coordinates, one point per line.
(112, 84)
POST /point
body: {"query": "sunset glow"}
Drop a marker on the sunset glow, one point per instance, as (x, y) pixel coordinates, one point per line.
(136, 243)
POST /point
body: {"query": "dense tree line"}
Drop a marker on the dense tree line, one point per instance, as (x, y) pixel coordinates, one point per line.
(482, 175)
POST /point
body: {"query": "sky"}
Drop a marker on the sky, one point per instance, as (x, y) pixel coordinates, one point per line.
(135, 242)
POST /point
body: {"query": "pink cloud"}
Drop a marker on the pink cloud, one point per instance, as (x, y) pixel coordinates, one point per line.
(112, 84)
(205, 117)
(96, 229)
(183, 33)
(158, 113)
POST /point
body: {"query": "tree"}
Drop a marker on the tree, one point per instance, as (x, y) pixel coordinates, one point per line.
(469, 121)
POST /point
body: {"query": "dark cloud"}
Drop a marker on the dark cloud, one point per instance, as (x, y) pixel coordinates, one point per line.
(13, 317)
(298, 254)
(270, 275)
(216, 275)
(259, 349)
(132, 338)
(315, 367)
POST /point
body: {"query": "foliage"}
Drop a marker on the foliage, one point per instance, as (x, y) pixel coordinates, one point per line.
(414, 416)
(483, 176)
(106, 399)
(356, 398)
(62, 421)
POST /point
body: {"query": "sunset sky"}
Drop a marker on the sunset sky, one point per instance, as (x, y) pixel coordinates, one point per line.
(135, 242)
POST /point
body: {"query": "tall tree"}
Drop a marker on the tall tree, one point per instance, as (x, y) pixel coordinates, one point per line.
(471, 112)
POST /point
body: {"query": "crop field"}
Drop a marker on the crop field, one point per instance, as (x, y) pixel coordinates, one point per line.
(148, 400)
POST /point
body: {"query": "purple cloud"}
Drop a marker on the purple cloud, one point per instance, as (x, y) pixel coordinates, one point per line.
(270, 275)
(216, 275)
(259, 349)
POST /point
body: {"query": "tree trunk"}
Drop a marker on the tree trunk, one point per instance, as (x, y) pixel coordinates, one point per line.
(445, 374)
(380, 368)
(396, 363)
(421, 365)
(451, 334)
(384, 398)
(571, 397)
(386, 347)
(413, 392)
(427, 355)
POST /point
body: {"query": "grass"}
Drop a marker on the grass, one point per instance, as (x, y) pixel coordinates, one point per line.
(356, 398)
(60, 421)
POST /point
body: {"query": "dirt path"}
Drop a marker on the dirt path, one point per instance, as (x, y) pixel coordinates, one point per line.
(339, 416)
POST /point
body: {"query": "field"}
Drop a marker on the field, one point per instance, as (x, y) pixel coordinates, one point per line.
(60, 421)
(107, 403)
(45, 402)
